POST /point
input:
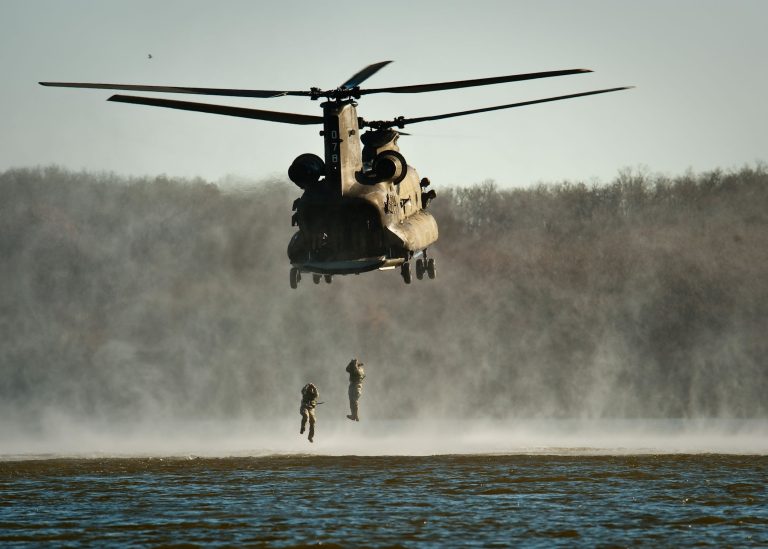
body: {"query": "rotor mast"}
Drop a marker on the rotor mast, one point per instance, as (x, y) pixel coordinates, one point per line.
(341, 132)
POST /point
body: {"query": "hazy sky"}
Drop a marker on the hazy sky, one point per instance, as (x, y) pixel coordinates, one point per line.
(701, 100)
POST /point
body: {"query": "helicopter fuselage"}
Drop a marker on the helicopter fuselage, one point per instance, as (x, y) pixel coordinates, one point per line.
(367, 212)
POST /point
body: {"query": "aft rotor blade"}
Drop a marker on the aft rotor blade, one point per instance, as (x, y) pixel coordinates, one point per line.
(179, 89)
(420, 88)
(511, 105)
(272, 116)
(364, 74)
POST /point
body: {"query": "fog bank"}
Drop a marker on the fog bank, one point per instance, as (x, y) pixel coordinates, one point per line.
(155, 301)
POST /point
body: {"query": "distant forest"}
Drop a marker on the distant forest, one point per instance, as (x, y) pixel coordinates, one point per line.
(162, 297)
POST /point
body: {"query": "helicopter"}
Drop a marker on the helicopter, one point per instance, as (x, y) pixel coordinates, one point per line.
(362, 208)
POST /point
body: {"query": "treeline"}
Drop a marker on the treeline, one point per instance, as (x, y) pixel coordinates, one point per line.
(159, 297)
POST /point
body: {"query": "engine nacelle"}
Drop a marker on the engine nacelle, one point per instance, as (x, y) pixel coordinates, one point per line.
(306, 170)
(390, 166)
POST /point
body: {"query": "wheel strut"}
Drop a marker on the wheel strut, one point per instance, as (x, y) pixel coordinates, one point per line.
(295, 277)
(405, 272)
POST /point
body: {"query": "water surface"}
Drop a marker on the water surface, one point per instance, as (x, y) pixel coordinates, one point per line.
(424, 501)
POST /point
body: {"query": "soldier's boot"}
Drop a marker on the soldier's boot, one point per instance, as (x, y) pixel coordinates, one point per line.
(311, 431)
(303, 425)
(354, 417)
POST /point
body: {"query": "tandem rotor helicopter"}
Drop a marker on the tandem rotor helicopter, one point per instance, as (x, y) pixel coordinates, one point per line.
(362, 208)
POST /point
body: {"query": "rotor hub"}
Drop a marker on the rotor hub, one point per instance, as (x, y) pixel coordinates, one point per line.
(337, 94)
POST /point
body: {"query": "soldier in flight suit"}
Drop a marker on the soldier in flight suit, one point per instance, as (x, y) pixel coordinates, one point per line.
(309, 396)
(356, 377)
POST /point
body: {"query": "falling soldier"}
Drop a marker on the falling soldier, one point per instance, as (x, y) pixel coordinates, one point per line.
(309, 396)
(356, 377)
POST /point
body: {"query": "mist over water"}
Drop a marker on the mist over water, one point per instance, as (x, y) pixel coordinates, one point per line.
(338, 437)
(155, 316)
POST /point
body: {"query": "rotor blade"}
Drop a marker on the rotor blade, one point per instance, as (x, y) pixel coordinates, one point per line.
(272, 116)
(420, 88)
(511, 105)
(364, 74)
(179, 89)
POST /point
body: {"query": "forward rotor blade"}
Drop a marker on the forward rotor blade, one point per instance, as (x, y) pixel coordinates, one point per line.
(404, 121)
(420, 88)
(179, 89)
(364, 75)
(240, 112)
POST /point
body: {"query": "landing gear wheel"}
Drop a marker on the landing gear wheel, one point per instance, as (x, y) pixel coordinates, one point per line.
(405, 272)
(431, 271)
(295, 277)
(316, 278)
(420, 268)
(328, 279)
